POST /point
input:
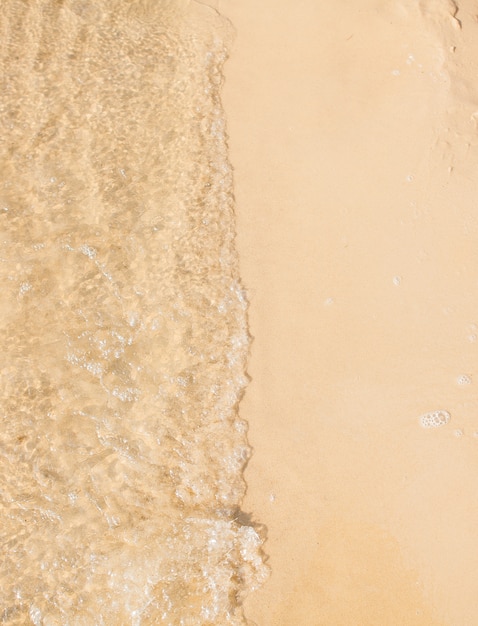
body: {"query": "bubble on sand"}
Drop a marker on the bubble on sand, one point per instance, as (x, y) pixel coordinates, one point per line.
(464, 379)
(435, 419)
(396, 280)
(458, 433)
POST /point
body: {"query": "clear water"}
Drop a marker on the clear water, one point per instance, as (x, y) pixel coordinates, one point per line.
(122, 320)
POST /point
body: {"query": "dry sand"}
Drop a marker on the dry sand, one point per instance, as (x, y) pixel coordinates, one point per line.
(353, 134)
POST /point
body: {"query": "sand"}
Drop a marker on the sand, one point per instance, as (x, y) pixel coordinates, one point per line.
(353, 139)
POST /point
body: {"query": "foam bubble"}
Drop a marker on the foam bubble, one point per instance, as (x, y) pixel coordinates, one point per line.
(435, 419)
(464, 379)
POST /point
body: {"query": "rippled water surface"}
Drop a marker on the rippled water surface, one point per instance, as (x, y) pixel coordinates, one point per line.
(122, 320)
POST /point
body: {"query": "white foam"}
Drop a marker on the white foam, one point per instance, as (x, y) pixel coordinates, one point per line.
(435, 419)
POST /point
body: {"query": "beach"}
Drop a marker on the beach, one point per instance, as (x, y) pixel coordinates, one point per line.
(352, 135)
(239, 313)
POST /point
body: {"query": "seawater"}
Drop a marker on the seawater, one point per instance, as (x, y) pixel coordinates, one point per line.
(122, 320)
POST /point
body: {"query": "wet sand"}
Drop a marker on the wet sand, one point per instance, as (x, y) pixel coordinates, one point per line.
(353, 138)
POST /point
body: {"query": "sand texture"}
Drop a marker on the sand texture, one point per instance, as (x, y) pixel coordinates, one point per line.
(124, 327)
(353, 137)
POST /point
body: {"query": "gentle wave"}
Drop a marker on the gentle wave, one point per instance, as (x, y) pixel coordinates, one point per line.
(122, 320)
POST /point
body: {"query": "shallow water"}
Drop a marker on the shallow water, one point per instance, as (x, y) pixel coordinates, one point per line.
(122, 320)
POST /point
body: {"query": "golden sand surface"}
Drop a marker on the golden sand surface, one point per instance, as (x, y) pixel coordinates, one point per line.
(353, 136)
